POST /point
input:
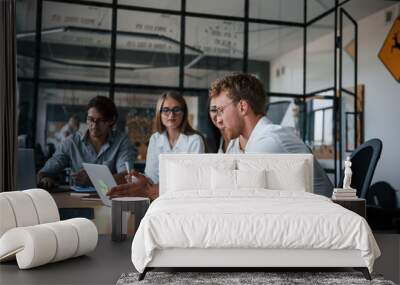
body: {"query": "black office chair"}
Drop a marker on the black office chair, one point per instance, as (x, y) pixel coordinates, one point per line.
(382, 194)
(275, 111)
(364, 160)
(383, 212)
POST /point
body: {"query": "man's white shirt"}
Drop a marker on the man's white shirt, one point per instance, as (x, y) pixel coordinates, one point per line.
(269, 138)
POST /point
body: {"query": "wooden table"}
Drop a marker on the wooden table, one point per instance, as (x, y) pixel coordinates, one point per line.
(102, 213)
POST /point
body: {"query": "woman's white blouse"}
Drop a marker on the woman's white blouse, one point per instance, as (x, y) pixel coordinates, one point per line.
(159, 144)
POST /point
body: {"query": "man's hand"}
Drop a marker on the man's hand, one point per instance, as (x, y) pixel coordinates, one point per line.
(80, 178)
(45, 181)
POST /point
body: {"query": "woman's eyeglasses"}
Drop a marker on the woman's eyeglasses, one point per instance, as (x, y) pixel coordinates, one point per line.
(167, 111)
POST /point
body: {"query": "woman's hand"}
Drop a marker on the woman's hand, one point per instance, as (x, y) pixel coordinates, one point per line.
(120, 178)
(136, 177)
(152, 191)
(80, 178)
(127, 190)
(137, 187)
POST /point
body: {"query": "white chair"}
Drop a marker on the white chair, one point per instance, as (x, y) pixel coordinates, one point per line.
(31, 231)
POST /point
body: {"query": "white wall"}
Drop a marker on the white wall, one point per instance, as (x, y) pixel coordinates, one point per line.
(382, 91)
(382, 97)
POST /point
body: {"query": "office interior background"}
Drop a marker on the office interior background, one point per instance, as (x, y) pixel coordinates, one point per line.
(335, 94)
(321, 63)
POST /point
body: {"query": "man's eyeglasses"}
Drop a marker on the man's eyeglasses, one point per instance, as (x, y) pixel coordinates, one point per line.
(218, 111)
(176, 111)
(92, 121)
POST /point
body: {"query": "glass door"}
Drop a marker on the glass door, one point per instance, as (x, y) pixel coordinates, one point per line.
(350, 95)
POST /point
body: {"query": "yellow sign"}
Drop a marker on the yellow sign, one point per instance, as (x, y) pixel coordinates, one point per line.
(390, 51)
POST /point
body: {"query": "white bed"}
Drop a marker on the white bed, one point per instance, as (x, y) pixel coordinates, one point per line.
(202, 220)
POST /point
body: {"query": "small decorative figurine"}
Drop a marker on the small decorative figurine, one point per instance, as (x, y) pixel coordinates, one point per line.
(347, 174)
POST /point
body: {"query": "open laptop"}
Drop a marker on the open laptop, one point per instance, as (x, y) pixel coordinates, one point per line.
(102, 180)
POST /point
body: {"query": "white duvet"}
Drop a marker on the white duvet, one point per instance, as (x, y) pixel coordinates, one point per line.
(250, 219)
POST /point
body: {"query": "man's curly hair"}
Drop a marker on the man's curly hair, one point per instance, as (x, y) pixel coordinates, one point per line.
(241, 86)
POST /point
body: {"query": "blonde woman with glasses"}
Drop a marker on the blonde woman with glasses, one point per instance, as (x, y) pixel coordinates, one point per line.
(174, 134)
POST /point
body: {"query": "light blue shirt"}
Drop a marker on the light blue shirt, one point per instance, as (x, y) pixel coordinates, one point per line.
(269, 138)
(159, 144)
(77, 149)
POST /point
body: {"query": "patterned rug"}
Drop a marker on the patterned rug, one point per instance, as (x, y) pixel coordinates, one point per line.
(228, 278)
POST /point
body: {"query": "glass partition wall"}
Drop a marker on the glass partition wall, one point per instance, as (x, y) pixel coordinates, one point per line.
(313, 85)
(132, 51)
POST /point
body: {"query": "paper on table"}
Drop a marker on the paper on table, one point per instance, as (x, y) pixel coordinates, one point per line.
(80, 189)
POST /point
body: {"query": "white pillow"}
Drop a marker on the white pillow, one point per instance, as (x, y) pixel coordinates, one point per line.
(251, 178)
(291, 179)
(223, 179)
(182, 178)
(280, 174)
(187, 176)
(226, 179)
